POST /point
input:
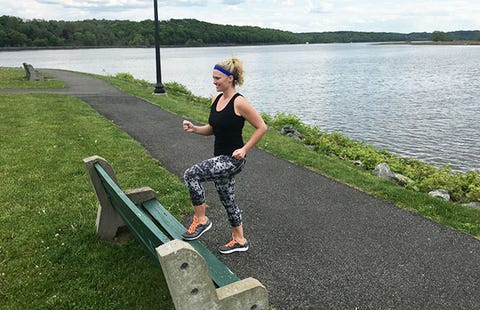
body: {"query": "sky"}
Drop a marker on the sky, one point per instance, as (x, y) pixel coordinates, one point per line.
(402, 16)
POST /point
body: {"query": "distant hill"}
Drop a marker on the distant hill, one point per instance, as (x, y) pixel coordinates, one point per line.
(18, 33)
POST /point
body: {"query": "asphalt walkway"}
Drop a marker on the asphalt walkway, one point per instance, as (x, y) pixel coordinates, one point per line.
(315, 243)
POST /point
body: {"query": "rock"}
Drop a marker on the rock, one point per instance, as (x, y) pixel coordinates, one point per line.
(474, 204)
(402, 180)
(291, 132)
(440, 193)
(357, 163)
(287, 129)
(383, 171)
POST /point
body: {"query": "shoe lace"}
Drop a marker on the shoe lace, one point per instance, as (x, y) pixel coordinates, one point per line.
(193, 226)
(231, 243)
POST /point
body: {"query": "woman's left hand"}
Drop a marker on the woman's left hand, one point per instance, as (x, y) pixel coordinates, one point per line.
(239, 154)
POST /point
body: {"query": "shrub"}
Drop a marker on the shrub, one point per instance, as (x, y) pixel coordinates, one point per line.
(426, 177)
(177, 89)
(128, 77)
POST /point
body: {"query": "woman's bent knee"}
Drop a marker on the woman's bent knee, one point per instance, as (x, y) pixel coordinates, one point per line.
(189, 174)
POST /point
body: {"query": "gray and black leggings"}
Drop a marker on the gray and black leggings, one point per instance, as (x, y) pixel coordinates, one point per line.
(221, 170)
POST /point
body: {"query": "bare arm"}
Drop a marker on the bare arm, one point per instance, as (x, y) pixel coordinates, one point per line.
(204, 130)
(248, 112)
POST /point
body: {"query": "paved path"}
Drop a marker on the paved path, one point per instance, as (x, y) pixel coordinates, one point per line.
(315, 243)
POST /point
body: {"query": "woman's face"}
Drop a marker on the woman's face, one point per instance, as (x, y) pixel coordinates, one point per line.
(221, 81)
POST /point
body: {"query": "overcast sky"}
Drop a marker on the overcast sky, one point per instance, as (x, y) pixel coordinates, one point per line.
(402, 16)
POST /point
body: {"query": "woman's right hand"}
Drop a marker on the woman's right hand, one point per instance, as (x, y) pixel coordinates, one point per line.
(188, 126)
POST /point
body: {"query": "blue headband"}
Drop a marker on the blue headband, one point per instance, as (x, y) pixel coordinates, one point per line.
(224, 71)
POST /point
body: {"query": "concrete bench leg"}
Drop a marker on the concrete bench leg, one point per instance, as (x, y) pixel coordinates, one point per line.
(108, 220)
(31, 73)
(192, 288)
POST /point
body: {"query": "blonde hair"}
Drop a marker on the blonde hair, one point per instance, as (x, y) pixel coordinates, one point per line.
(235, 66)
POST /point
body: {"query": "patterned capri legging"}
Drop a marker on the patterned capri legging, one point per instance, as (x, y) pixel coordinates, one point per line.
(221, 170)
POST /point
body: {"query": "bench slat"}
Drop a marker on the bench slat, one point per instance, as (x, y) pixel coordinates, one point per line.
(219, 273)
(141, 226)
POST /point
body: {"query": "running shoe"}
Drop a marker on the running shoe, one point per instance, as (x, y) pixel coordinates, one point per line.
(196, 229)
(233, 246)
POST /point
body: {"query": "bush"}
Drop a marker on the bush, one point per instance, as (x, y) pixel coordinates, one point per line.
(128, 77)
(178, 89)
(462, 187)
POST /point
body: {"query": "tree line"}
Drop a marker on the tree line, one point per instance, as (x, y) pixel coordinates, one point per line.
(18, 33)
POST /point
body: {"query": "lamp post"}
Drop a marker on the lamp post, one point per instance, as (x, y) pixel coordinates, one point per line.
(159, 88)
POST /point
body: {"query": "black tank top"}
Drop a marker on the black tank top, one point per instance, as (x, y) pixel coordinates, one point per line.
(227, 127)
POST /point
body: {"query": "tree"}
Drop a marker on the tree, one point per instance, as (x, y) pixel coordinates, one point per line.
(15, 32)
(438, 36)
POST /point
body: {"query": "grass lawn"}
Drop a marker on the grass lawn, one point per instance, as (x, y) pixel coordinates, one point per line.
(15, 78)
(49, 255)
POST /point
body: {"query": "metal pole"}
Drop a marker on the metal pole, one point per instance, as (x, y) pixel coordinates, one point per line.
(159, 88)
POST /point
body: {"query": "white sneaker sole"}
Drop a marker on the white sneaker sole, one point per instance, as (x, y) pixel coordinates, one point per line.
(243, 249)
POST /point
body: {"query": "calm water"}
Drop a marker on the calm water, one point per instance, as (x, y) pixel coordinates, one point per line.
(418, 101)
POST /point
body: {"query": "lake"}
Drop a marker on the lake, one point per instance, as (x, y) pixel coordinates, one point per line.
(417, 101)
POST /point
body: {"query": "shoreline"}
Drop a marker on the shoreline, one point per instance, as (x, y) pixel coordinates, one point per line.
(33, 48)
(431, 43)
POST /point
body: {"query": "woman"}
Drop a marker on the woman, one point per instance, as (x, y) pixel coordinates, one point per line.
(228, 113)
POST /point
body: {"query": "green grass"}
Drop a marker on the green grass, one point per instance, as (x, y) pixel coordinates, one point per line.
(11, 78)
(49, 255)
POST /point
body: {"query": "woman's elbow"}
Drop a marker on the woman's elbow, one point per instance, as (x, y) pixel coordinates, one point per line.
(263, 128)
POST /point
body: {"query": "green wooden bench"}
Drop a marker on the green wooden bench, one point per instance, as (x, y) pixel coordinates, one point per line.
(191, 280)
